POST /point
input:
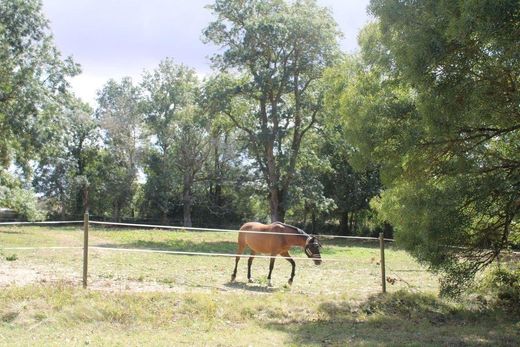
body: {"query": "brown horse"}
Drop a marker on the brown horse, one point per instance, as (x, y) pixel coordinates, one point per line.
(266, 241)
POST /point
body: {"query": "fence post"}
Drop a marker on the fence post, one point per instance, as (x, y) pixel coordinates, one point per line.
(383, 275)
(85, 249)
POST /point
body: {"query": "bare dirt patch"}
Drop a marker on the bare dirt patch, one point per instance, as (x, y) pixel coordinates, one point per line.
(15, 274)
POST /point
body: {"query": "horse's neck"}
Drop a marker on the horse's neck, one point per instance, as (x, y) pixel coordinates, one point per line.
(298, 237)
(299, 240)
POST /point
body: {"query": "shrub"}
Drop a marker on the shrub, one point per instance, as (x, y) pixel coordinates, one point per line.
(503, 287)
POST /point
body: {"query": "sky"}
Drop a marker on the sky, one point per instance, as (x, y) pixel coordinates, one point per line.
(114, 39)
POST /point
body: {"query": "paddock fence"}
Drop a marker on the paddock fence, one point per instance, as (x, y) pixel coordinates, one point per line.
(86, 223)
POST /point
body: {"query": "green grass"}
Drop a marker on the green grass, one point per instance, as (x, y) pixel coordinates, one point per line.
(163, 299)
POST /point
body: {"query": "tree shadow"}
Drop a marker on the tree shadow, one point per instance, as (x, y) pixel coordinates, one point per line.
(403, 318)
(351, 243)
(177, 245)
(333, 247)
(11, 232)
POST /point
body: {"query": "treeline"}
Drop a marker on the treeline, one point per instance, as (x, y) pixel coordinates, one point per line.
(252, 142)
(418, 133)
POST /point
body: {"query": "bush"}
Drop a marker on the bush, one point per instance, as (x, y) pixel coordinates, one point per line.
(14, 196)
(503, 287)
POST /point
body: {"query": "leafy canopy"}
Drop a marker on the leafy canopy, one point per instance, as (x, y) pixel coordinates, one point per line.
(32, 80)
(434, 101)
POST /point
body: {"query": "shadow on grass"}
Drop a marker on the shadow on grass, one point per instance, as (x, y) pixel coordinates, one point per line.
(252, 287)
(10, 232)
(178, 245)
(404, 318)
(340, 246)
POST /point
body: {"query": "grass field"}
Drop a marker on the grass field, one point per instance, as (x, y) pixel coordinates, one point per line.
(163, 299)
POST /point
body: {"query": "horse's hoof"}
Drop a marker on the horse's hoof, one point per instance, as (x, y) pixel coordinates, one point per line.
(250, 280)
(233, 278)
(290, 282)
(269, 284)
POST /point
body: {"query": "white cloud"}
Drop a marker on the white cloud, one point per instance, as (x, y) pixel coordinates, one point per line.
(114, 39)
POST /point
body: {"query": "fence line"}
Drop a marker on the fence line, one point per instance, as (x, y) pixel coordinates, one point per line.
(43, 223)
(86, 246)
(231, 230)
(170, 227)
(34, 248)
(151, 250)
(208, 253)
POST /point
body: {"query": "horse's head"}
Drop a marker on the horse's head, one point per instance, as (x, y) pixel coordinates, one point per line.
(312, 249)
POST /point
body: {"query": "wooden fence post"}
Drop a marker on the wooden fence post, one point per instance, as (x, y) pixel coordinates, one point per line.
(383, 275)
(85, 249)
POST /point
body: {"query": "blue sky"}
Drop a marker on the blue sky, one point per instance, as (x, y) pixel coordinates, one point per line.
(113, 39)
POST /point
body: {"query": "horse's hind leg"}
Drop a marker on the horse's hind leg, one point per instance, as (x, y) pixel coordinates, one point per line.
(249, 263)
(240, 250)
(271, 267)
(287, 256)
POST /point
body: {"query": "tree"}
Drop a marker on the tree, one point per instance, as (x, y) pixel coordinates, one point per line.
(121, 119)
(350, 189)
(179, 134)
(15, 195)
(228, 173)
(191, 150)
(64, 173)
(435, 103)
(281, 50)
(32, 81)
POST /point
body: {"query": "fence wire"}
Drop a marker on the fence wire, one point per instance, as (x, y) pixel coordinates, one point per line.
(171, 227)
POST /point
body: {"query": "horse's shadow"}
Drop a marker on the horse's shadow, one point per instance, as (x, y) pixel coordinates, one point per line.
(252, 287)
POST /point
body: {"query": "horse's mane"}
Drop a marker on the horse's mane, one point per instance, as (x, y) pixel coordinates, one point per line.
(298, 230)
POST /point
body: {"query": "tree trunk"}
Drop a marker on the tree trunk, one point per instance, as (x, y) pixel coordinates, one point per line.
(305, 212)
(274, 203)
(343, 224)
(187, 213)
(217, 197)
(187, 200)
(164, 217)
(116, 214)
(277, 205)
(313, 221)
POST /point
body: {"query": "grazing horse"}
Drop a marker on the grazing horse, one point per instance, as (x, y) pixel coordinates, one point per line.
(264, 239)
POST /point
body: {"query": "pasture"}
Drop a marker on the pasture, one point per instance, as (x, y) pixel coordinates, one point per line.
(139, 298)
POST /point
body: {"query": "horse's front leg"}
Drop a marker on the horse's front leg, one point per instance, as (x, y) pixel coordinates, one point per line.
(287, 256)
(240, 250)
(271, 267)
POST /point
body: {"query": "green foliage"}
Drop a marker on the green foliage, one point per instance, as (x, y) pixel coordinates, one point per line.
(120, 117)
(23, 200)
(433, 101)
(503, 286)
(32, 80)
(179, 132)
(66, 173)
(280, 50)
